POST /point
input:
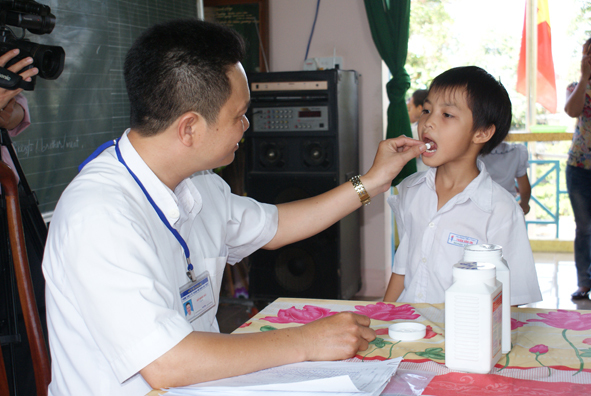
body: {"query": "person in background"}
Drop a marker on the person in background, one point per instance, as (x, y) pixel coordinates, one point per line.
(507, 164)
(14, 111)
(456, 202)
(578, 171)
(414, 104)
(14, 117)
(147, 226)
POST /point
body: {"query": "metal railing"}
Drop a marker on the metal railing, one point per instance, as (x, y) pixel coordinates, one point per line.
(554, 214)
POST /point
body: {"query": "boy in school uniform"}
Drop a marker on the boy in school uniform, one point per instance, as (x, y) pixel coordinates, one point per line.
(456, 203)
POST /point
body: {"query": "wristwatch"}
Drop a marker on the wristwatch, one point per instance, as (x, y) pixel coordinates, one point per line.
(361, 191)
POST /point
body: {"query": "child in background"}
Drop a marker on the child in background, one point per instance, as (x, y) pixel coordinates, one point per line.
(456, 203)
(506, 164)
(414, 104)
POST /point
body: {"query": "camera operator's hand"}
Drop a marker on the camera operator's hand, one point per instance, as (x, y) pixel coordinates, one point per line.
(11, 113)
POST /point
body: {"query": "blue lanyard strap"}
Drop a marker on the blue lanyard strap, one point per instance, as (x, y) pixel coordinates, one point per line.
(190, 272)
(103, 147)
(96, 152)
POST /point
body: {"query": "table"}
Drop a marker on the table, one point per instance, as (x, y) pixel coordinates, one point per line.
(538, 137)
(551, 352)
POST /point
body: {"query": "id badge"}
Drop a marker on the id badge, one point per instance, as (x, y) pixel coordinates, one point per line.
(197, 297)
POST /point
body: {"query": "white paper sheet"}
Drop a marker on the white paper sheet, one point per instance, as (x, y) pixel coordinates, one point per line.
(307, 378)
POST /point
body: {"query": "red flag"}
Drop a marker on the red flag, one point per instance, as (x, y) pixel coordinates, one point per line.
(545, 79)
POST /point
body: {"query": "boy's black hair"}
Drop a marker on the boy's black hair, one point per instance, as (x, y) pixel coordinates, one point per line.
(180, 66)
(419, 96)
(487, 98)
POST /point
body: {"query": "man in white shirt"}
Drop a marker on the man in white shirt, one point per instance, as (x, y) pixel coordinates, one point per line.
(146, 227)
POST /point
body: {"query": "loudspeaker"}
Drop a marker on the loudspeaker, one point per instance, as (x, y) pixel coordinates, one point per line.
(303, 142)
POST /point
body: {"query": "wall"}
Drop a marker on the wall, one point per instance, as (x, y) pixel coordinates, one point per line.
(342, 24)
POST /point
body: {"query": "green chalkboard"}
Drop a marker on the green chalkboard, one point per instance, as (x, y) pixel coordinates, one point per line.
(87, 105)
(250, 19)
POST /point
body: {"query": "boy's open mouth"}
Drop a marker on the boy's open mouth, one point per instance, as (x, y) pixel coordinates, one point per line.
(431, 145)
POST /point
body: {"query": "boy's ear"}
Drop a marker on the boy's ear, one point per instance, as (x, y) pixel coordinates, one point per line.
(483, 135)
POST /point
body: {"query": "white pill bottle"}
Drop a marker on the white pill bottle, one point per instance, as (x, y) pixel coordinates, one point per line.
(488, 253)
(473, 316)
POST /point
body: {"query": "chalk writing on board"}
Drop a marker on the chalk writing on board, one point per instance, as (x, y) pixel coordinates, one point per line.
(29, 148)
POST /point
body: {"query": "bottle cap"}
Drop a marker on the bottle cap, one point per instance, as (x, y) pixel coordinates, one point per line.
(482, 252)
(483, 247)
(474, 271)
(407, 331)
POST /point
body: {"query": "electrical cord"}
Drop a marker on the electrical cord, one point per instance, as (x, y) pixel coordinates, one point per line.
(256, 25)
(312, 32)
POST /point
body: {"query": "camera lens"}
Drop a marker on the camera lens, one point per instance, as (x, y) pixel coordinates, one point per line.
(50, 61)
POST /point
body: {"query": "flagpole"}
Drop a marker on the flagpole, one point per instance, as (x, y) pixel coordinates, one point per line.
(531, 61)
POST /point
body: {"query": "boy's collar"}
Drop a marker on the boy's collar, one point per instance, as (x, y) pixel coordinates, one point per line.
(479, 190)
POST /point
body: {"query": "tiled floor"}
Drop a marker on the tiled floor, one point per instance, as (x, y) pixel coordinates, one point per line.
(558, 279)
(556, 275)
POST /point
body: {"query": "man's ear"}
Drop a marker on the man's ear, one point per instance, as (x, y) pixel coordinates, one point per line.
(484, 135)
(190, 128)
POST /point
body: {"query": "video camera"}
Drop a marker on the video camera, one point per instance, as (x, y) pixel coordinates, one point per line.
(37, 19)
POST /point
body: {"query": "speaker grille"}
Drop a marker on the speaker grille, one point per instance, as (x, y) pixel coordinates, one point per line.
(295, 270)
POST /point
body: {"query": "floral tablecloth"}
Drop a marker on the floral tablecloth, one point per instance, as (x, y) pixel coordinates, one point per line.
(550, 355)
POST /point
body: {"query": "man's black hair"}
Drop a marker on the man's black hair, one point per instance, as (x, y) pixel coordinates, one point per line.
(180, 66)
(487, 98)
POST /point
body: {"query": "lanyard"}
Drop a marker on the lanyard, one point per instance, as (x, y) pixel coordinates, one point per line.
(190, 271)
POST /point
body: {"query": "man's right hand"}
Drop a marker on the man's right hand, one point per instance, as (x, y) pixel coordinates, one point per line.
(204, 356)
(337, 337)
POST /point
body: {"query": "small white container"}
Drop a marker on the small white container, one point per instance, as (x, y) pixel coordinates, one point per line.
(407, 331)
(494, 254)
(473, 317)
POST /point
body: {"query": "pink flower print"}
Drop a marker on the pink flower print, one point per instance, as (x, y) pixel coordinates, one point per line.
(387, 312)
(540, 348)
(245, 325)
(430, 333)
(382, 331)
(515, 324)
(308, 314)
(568, 320)
(587, 341)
